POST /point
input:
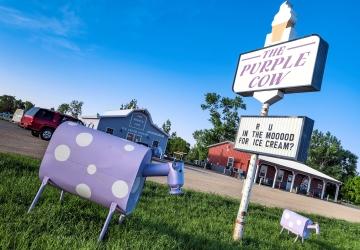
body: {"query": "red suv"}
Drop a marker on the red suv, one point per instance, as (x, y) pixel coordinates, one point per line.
(43, 122)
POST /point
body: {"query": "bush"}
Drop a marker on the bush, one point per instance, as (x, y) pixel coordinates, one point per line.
(351, 190)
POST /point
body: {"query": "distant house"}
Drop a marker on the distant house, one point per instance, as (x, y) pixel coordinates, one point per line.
(91, 121)
(277, 173)
(134, 125)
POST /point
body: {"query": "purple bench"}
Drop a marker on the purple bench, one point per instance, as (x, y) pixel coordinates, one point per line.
(297, 224)
(102, 168)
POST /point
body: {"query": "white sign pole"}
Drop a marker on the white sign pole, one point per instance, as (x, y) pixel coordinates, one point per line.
(282, 30)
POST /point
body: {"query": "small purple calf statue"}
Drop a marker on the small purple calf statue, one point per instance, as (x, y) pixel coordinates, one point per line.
(297, 224)
(103, 168)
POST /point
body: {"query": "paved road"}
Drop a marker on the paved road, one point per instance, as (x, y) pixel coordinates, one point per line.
(17, 140)
(14, 139)
(207, 181)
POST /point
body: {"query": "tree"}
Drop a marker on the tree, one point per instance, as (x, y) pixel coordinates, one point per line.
(351, 190)
(224, 118)
(8, 103)
(167, 126)
(131, 105)
(328, 156)
(27, 105)
(177, 144)
(76, 108)
(64, 108)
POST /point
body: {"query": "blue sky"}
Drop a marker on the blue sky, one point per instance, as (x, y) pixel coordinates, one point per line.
(168, 54)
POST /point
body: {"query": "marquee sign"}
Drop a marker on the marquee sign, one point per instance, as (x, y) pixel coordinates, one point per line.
(277, 136)
(294, 66)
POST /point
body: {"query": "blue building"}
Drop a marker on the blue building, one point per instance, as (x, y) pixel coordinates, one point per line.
(134, 125)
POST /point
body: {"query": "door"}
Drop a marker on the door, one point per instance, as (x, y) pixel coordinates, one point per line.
(137, 138)
(288, 182)
(263, 171)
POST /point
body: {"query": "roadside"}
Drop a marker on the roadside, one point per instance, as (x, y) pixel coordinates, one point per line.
(14, 139)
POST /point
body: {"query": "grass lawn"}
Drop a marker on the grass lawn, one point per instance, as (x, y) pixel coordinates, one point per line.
(160, 221)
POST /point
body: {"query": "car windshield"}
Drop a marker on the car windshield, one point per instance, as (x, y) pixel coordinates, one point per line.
(32, 111)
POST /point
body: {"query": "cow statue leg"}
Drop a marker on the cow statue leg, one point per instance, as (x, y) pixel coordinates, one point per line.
(39, 192)
(62, 196)
(107, 221)
(297, 237)
(121, 218)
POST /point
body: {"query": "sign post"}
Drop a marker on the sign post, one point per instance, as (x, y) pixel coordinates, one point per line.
(266, 74)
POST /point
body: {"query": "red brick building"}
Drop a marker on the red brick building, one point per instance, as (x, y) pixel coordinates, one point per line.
(277, 173)
(223, 155)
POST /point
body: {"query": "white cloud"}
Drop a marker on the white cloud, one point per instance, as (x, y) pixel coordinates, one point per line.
(54, 30)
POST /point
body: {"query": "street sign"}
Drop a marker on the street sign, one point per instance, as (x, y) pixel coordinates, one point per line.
(277, 136)
(293, 66)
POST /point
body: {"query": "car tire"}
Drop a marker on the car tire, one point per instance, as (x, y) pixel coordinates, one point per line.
(34, 133)
(46, 134)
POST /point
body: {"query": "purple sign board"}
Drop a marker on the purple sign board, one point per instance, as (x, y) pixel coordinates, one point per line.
(293, 66)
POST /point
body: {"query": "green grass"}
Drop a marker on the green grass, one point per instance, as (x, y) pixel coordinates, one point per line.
(160, 221)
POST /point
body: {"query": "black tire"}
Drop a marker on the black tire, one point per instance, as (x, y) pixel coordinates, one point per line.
(46, 134)
(34, 133)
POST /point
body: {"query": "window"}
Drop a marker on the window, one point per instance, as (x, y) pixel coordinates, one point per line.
(155, 144)
(45, 114)
(230, 162)
(110, 131)
(130, 137)
(137, 138)
(32, 111)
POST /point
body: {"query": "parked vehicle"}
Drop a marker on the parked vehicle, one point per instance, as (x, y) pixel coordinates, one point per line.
(6, 116)
(17, 116)
(43, 122)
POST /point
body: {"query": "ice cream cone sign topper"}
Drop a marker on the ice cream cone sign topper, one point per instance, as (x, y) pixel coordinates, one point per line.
(283, 25)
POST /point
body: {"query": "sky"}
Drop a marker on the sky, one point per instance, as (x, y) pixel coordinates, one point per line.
(168, 54)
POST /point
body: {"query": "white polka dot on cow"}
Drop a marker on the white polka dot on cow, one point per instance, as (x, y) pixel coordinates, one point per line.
(287, 216)
(84, 139)
(62, 152)
(83, 190)
(136, 185)
(72, 123)
(120, 189)
(298, 222)
(91, 169)
(129, 147)
(291, 224)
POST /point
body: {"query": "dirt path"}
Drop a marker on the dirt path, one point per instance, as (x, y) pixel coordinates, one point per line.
(17, 140)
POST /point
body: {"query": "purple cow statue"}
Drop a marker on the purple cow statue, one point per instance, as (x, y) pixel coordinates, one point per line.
(297, 224)
(103, 168)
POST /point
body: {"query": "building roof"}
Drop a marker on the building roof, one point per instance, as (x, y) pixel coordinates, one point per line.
(126, 112)
(297, 166)
(220, 143)
(90, 117)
